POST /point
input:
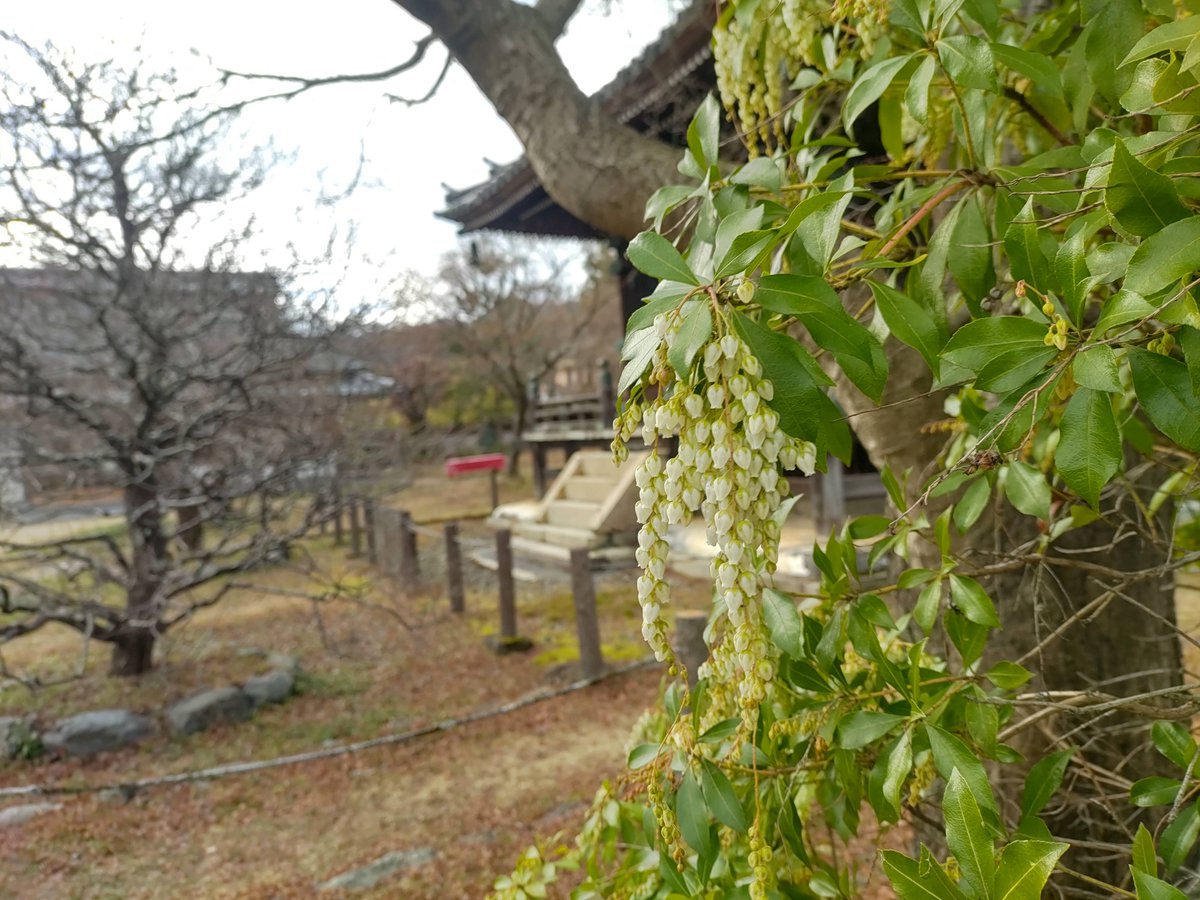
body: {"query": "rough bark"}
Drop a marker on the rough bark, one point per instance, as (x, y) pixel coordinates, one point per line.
(133, 643)
(599, 170)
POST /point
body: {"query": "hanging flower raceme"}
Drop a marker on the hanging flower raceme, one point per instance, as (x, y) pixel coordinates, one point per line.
(728, 468)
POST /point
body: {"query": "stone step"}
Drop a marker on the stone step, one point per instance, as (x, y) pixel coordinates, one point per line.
(571, 513)
(555, 534)
(590, 488)
(601, 557)
(597, 462)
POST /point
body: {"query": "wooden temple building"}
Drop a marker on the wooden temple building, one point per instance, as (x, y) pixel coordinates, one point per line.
(656, 94)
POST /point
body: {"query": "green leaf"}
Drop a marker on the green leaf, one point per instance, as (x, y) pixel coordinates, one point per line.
(817, 232)
(1043, 780)
(657, 257)
(695, 328)
(692, 814)
(783, 622)
(642, 755)
(865, 726)
(1024, 869)
(1174, 742)
(1140, 199)
(732, 226)
(721, 799)
(910, 322)
(723, 730)
(1156, 790)
(704, 133)
(924, 880)
(1089, 451)
(1074, 277)
(972, 600)
(1027, 489)
(745, 249)
(1164, 258)
(1008, 676)
(637, 352)
(1189, 341)
(1179, 837)
(897, 762)
(972, 504)
(1171, 36)
(1003, 351)
(1023, 247)
(1151, 888)
(966, 835)
(916, 95)
(949, 754)
(665, 199)
(811, 300)
(926, 609)
(1144, 857)
(1037, 67)
(969, 62)
(805, 410)
(971, 262)
(1164, 389)
(762, 171)
(869, 87)
(1096, 368)
(666, 297)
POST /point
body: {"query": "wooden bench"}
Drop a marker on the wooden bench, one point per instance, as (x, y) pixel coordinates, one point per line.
(484, 462)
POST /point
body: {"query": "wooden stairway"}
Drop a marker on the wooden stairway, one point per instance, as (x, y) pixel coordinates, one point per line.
(590, 504)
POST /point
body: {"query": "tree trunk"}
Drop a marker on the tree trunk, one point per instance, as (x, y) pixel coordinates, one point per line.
(133, 643)
(597, 169)
(1126, 646)
(520, 416)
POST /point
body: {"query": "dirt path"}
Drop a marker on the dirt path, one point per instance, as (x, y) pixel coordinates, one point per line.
(477, 796)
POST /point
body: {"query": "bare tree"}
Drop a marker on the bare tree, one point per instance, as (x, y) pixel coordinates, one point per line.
(510, 309)
(133, 354)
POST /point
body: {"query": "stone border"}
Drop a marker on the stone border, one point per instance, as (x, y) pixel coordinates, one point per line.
(106, 730)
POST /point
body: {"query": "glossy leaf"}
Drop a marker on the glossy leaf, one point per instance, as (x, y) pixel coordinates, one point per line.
(721, 798)
(1024, 869)
(783, 622)
(967, 836)
(972, 600)
(869, 87)
(923, 880)
(1174, 742)
(1027, 489)
(910, 323)
(1164, 389)
(1140, 199)
(1151, 888)
(865, 726)
(1144, 857)
(657, 257)
(1097, 368)
(1089, 451)
(1023, 247)
(1179, 837)
(1164, 258)
(695, 328)
(1156, 790)
(1043, 780)
(969, 62)
(692, 813)
(949, 754)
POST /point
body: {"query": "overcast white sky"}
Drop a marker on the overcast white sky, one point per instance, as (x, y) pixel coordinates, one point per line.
(410, 152)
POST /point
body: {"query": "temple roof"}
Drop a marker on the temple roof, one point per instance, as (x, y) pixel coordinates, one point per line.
(656, 94)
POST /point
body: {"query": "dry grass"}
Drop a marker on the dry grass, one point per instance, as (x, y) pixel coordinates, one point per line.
(476, 795)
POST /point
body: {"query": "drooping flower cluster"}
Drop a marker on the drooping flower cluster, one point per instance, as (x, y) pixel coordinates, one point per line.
(727, 468)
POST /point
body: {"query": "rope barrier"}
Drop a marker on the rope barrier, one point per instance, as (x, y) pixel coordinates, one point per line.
(129, 788)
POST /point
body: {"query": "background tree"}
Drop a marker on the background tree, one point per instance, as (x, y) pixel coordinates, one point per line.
(510, 307)
(136, 354)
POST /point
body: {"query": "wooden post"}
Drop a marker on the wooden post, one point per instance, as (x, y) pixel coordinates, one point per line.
(832, 512)
(355, 528)
(690, 648)
(604, 386)
(591, 661)
(369, 527)
(493, 477)
(338, 535)
(408, 549)
(504, 575)
(539, 468)
(454, 569)
(390, 532)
